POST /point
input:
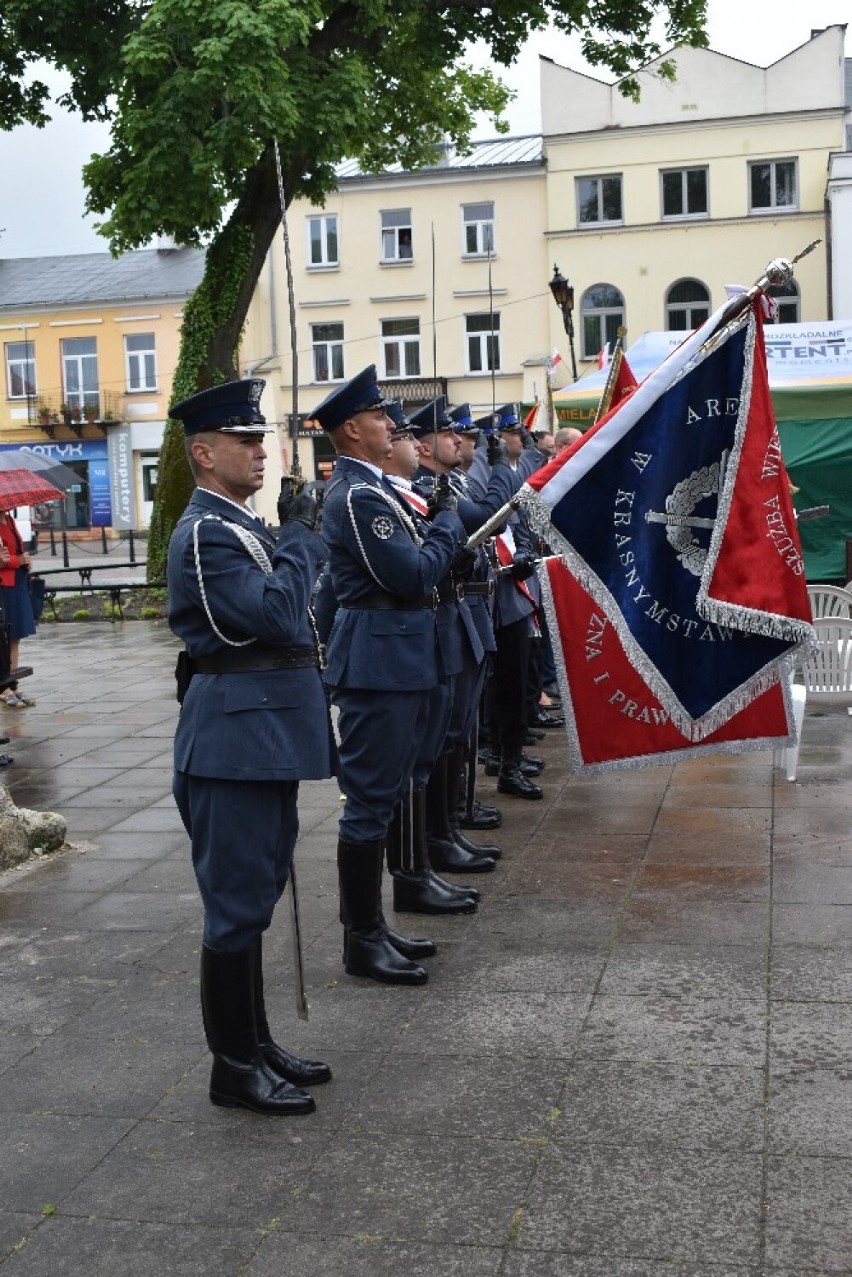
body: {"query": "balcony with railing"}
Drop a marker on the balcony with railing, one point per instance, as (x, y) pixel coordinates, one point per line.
(49, 411)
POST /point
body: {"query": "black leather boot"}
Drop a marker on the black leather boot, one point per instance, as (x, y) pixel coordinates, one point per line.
(455, 762)
(416, 886)
(444, 853)
(290, 1067)
(240, 1077)
(368, 950)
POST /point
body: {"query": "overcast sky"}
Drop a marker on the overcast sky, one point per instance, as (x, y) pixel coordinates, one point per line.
(42, 198)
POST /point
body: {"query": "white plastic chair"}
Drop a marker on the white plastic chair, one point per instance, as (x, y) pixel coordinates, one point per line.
(825, 677)
(830, 601)
(789, 757)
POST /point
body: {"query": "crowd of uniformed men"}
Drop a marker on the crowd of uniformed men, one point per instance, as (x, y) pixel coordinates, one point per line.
(434, 654)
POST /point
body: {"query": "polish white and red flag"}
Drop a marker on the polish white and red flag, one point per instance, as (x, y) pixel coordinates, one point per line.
(677, 595)
(553, 363)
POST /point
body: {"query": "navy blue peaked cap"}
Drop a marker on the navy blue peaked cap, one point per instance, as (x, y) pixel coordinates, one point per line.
(488, 423)
(231, 407)
(399, 417)
(360, 394)
(432, 418)
(463, 422)
(508, 418)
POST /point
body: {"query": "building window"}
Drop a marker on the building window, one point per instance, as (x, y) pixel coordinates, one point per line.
(80, 372)
(602, 313)
(396, 235)
(687, 305)
(787, 297)
(772, 185)
(482, 333)
(20, 369)
(322, 240)
(401, 347)
(478, 227)
(599, 199)
(327, 347)
(140, 361)
(684, 192)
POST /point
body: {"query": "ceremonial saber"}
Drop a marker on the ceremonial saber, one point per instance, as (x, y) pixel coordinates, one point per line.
(302, 1008)
(491, 525)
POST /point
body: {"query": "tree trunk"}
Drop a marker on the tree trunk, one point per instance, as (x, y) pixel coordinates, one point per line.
(210, 335)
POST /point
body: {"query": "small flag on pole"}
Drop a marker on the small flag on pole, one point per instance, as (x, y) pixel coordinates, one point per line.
(553, 363)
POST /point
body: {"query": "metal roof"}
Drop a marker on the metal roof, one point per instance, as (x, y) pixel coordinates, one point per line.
(494, 153)
(85, 278)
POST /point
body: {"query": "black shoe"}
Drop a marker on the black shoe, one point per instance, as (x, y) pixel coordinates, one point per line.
(512, 781)
(292, 1068)
(410, 948)
(418, 893)
(552, 689)
(447, 857)
(6, 759)
(531, 766)
(533, 737)
(477, 849)
(371, 954)
(235, 1084)
(542, 719)
(483, 818)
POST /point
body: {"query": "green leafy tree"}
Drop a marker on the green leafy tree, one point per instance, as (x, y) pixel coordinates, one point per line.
(197, 90)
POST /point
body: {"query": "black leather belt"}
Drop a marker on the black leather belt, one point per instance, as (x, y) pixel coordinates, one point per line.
(250, 660)
(483, 588)
(379, 601)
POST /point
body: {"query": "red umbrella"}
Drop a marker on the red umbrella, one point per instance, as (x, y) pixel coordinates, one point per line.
(23, 487)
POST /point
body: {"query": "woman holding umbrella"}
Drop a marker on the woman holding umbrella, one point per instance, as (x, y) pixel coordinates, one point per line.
(14, 574)
(18, 487)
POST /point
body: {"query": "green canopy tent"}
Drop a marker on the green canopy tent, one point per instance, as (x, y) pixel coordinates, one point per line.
(810, 379)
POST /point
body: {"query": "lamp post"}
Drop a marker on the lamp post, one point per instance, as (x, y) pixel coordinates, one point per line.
(563, 295)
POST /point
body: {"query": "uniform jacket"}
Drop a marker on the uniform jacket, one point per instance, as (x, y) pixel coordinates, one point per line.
(478, 499)
(371, 548)
(511, 604)
(264, 725)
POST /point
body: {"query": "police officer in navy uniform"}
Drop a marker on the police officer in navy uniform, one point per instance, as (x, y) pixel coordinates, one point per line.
(384, 659)
(254, 721)
(449, 849)
(417, 888)
(515, 620)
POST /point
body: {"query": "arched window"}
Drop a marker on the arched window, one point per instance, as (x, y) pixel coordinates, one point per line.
(787, 297)
(602, 313)
(687, 305)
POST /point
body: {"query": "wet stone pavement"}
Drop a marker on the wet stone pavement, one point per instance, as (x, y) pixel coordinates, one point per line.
(633, 1061)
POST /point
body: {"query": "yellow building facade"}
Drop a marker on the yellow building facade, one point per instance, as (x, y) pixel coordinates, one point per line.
(654, 206)
(437, 277)
(89, 346)
(649, 209)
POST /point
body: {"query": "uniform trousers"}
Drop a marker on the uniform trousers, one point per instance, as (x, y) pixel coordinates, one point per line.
(243, 835)
(506, 712)
(380, 739)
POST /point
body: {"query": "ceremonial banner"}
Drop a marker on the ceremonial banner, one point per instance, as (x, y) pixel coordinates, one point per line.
(613, 720)
(674, 516)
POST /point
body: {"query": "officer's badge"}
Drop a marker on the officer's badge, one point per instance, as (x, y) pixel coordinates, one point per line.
(382, 527)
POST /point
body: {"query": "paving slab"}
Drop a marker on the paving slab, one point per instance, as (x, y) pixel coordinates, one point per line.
(631, 1061)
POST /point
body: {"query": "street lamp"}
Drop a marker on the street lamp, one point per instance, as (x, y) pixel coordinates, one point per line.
(563, 295)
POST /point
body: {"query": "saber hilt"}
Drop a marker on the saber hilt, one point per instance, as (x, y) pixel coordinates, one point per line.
(491, 525)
